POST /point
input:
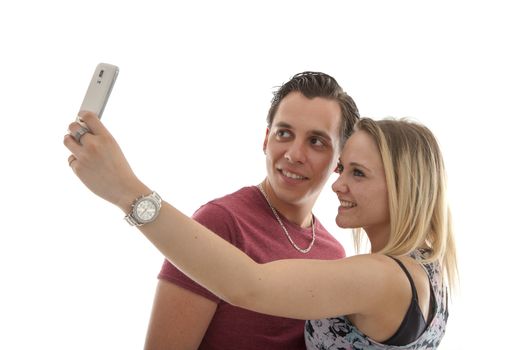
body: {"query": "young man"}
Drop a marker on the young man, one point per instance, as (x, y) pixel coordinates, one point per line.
(308, 122)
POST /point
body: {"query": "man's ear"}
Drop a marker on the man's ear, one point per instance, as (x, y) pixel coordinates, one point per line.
(265, 143)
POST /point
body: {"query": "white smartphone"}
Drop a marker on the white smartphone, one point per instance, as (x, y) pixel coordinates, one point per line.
(99, 88)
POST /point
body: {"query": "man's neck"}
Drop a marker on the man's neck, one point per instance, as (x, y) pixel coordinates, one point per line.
(298, 213)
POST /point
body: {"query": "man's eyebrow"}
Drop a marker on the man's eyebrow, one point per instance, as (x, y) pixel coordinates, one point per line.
(283, 125)
(319, 133)
(322, 134)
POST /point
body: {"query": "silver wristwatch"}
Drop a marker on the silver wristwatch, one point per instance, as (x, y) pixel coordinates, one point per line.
(144, 209)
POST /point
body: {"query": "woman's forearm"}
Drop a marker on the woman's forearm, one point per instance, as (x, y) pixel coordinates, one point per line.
(202, 255)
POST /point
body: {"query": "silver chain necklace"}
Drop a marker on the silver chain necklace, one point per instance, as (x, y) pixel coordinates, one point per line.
(304, 251)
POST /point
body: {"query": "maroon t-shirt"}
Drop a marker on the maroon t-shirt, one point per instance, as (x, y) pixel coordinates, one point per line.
(245, 219)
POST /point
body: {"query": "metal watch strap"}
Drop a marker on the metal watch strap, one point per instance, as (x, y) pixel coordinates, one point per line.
(130, 219)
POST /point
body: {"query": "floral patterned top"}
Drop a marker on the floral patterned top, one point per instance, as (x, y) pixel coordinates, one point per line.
(339, 333)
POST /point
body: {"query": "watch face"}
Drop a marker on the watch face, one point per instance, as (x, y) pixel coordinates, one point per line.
(146, 210)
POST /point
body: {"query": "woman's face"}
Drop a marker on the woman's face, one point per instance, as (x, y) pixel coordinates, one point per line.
(361, 186)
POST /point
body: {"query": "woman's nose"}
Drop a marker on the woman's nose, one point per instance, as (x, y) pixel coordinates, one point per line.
(338, 185)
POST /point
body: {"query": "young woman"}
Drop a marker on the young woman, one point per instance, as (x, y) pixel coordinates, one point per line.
(391, 185)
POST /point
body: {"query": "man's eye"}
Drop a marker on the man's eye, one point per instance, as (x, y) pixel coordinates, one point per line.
(316, 141)
(282, 133)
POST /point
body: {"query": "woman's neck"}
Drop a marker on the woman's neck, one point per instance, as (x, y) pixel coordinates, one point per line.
(378, 236)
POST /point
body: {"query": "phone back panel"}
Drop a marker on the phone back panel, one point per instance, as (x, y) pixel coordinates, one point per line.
(99, 88)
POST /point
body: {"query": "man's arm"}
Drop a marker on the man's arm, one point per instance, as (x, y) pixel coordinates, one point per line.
(179, 318)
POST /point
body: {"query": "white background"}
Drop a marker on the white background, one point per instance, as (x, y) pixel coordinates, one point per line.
(189, 110)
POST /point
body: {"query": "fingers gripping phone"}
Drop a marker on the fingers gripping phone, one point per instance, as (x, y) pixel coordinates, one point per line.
(99, 89)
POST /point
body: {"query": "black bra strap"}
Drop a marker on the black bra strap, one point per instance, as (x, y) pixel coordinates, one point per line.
(414, 291)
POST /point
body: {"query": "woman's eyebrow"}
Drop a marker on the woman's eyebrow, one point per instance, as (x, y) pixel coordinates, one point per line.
(355, 164)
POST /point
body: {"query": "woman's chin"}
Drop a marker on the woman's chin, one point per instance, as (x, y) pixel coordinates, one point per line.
(341, 222)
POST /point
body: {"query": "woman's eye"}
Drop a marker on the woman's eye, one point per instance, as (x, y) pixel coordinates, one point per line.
(339, 169)
(357, 172)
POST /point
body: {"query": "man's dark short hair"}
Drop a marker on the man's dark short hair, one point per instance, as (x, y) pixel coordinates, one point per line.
(317, 84)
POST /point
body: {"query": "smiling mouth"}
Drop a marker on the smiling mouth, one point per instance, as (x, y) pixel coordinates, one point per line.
(292, 175)
(348, 204)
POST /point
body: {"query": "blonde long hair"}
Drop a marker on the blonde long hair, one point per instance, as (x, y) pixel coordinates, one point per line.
(416, 180)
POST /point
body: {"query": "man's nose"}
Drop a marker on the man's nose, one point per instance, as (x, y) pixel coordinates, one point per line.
(296, 153)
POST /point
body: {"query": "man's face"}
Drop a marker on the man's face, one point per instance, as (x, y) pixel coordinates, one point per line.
(302, 148)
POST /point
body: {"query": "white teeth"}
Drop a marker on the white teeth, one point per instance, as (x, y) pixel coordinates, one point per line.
(347, 204)
(292, 175)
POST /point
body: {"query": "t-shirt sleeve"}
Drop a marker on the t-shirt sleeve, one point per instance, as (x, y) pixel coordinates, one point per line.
(218, 220)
